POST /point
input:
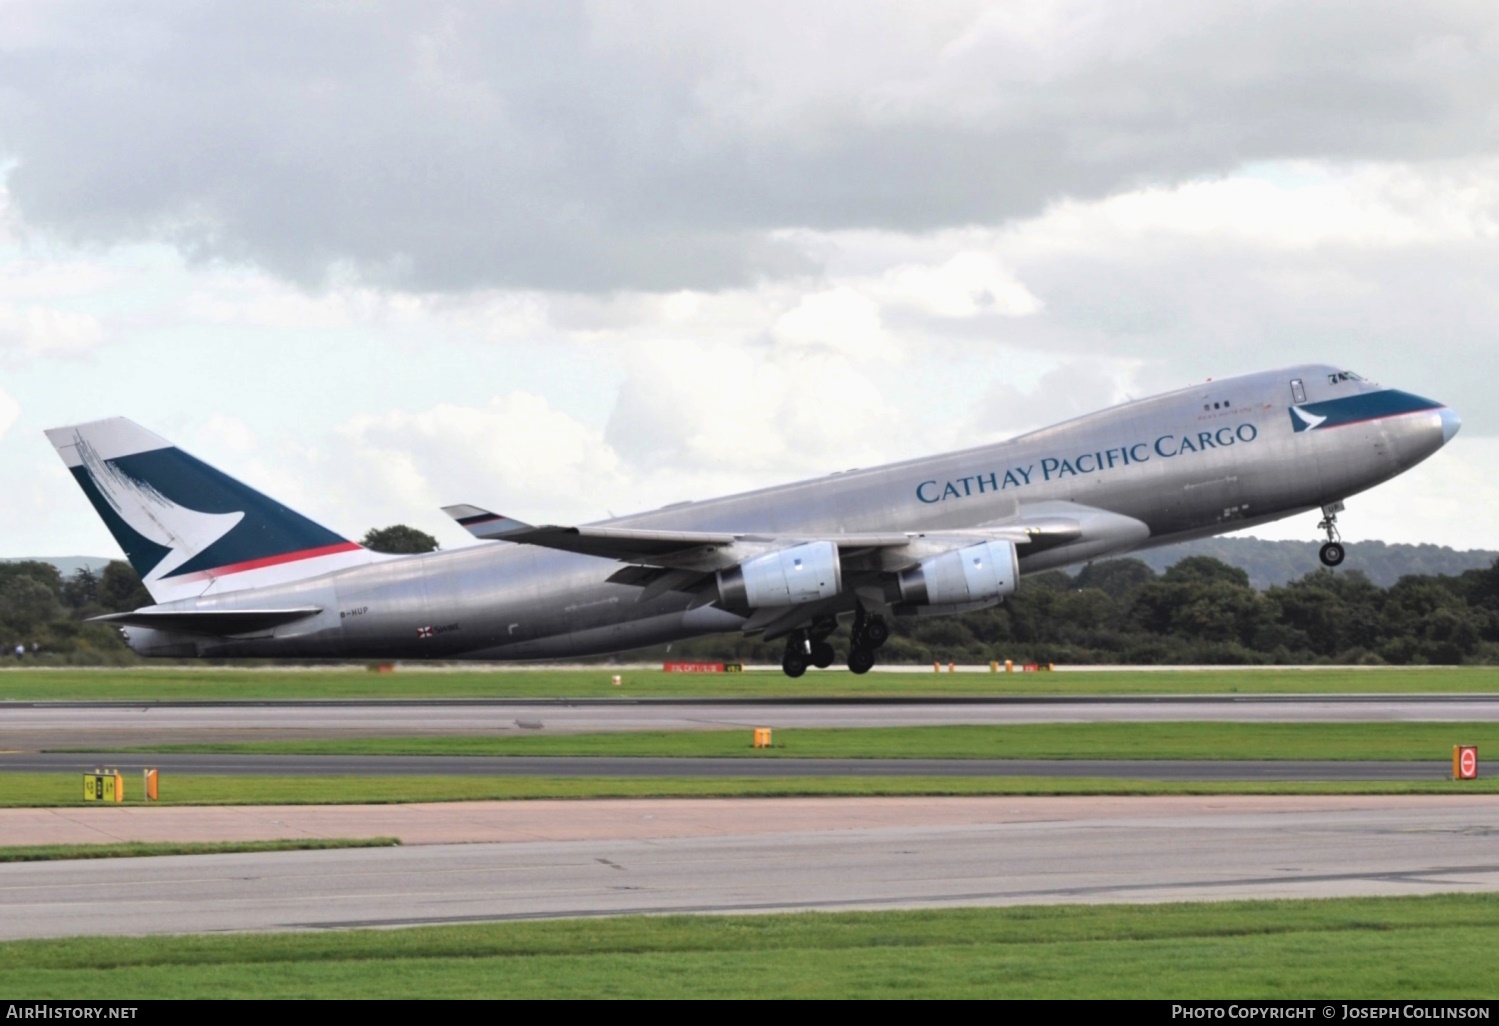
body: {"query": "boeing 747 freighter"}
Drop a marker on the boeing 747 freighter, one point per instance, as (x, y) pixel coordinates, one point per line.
(236, 574)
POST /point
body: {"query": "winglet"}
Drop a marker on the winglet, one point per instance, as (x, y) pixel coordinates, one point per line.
(483, 524)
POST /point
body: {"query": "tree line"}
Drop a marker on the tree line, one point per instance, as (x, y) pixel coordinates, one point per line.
(1200, 610)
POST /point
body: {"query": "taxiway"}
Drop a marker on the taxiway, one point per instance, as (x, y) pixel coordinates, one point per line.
(530, 860)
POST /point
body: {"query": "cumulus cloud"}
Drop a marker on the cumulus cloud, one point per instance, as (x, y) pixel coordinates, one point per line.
(1066, 391)
(747, 414)
(44, 331)
(841, 320)
(577, 146)
(1386, 270)
(697, 248)
(969, 284)
(229, 433)
(9, 411)
(515, 452)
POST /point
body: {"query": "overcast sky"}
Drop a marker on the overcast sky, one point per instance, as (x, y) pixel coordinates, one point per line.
(571, 259)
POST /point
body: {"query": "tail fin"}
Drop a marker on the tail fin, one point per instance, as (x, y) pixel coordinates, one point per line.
(188, 529)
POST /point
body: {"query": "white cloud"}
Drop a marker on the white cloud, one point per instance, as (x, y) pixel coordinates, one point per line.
(516, 453)
(714, 255)
(1287, 206)
(969, 284)
(660, 146)
(751, 413)
(842, 320)
(1067, 391)
(9, 411)
(229, 433)
(24, 279)
(44, 331)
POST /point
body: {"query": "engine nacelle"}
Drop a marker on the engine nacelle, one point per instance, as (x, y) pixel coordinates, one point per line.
(977, 573)
(788, 577)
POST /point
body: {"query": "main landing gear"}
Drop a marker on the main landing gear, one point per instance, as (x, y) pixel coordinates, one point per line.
(811, 647)
(869, 633)
(798, 654)
(1332, 550)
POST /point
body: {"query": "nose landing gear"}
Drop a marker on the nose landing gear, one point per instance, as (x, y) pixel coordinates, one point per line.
(1332, 552)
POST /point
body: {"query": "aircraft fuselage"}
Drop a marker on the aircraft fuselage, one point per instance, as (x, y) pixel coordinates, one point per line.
(1209, 459)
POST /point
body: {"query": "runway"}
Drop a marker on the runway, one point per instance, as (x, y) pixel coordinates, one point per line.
(35, 726)
(761, 766)
(567, 859)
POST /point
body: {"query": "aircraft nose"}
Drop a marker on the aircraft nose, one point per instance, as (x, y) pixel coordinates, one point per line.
(1451, 422)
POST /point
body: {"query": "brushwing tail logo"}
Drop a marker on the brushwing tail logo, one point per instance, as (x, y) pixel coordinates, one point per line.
(186, 532)
(1303, 421)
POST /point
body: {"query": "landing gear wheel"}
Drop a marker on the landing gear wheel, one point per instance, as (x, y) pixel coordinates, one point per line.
(876, 632)
(794, 664)
(860, 660)
(822, 655)
(1332, 554)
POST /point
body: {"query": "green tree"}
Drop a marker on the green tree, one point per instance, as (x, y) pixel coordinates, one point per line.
(44, 574)
(120, 588)
(399, 540)
(26, 604)
(82, 589)
(1205, 570)
(1117, 578)
(1201, 599)
(1329, 612)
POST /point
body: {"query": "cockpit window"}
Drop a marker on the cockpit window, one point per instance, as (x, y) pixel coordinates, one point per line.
(1341, 376)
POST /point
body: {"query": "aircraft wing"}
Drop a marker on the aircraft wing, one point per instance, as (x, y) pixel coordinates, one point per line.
(661, 561)
(1033, 529)
(700, 551)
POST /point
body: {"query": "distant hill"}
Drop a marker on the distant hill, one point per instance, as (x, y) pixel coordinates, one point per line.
(66, 565)
(1277, 562)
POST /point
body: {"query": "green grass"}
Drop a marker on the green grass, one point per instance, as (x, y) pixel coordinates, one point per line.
(56, 790)
(200, 683)
(1445, 946)
(139, 849)
(1344, 741)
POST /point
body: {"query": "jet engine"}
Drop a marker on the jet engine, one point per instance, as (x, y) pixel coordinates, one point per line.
(984, 572)
(787, 577)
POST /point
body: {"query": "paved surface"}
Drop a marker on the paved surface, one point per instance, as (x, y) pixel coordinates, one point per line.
(552, 859)
(35, 726)
(767, 766)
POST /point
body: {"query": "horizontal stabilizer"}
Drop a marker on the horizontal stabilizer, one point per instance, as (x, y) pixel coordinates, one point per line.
(483, 524)
(215, 622)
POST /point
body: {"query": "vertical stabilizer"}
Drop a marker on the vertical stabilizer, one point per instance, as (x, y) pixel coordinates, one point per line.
(187, 528)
